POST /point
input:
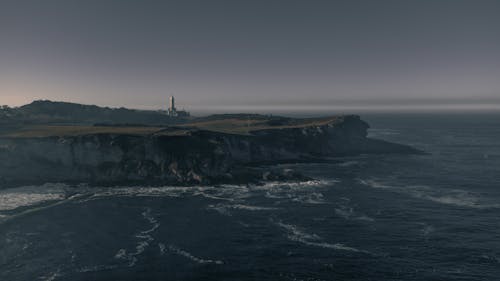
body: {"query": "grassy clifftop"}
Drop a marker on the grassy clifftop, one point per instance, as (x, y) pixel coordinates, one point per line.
(48, 118)
(242, 124)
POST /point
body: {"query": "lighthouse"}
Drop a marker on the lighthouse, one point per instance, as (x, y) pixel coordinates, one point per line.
(173, 112)
(171, 107)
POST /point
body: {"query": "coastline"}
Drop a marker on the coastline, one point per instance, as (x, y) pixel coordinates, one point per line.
(185, 155)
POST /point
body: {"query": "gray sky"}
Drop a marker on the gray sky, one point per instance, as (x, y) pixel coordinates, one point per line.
(239, 55)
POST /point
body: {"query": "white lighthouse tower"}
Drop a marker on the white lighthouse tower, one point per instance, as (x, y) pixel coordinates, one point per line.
(171, 107)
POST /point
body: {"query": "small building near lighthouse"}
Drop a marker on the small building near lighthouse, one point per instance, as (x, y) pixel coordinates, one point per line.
(172, 110)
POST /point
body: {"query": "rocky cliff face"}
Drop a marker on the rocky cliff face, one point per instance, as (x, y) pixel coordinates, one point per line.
(196, 157)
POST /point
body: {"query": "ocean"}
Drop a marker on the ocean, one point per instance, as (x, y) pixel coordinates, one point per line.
(368, 217)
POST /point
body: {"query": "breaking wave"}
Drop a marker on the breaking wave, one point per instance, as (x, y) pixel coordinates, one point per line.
(348, 213)
(310, 198)
(224, 209)
(296, 185)
(348, 164)
(96, 268)
(297, 235)
(14, 198)
(455, 197)
(302, 192)
(187, 255)
(426, 229)
(51, 276)
(145, 239)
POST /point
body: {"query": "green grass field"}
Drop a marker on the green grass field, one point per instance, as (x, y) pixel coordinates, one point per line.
(75, 130)
(229, 125)
(246, 126)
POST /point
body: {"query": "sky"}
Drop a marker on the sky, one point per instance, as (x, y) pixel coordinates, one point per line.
(252, 55)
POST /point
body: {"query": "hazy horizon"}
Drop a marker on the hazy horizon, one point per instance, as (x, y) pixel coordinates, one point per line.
(323, 110)
(253, 55)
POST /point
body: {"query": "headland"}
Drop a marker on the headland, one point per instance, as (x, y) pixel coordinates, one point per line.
(125, 147)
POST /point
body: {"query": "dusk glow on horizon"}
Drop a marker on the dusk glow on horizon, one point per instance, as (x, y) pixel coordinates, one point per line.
(253, 55)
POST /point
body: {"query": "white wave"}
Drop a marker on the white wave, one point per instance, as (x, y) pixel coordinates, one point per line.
(96, 268)
(14, 198)
(455, 197)
(348, 164)
(250, 208)
(121, 254)
(295, 185)
(51, 276)
(214, 197)
(365, 218)
(220, 209)
(311, 198)
(188, 255)
(346, 212)
(40, 208)
(162, 248)
(230, 193)
(337, 246)
(276, 195)
(303, 192)
(147, 215)
(132, 257)
(491, 258)
(140, 191)
(374, 184)
(297, 235)
(428, 229)
(145, 239)
(224, 209)
(223, 192)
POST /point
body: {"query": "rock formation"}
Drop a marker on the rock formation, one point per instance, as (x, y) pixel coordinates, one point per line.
(195, 157)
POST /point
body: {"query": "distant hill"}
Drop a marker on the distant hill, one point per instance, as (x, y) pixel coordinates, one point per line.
(45, 111)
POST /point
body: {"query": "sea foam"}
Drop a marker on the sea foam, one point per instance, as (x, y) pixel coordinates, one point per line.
(188, 255)
(294, 233)
(144, 240)
(14, 198)
(447, 196)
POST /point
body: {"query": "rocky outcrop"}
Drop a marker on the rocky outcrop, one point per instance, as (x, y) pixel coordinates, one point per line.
(196, 157)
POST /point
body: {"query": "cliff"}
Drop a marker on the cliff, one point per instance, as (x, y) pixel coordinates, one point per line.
(188, 155)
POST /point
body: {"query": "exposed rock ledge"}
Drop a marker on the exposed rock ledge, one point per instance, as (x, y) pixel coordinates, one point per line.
(196, 157)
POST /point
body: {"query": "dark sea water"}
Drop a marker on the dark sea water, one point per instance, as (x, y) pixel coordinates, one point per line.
(370, 217)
